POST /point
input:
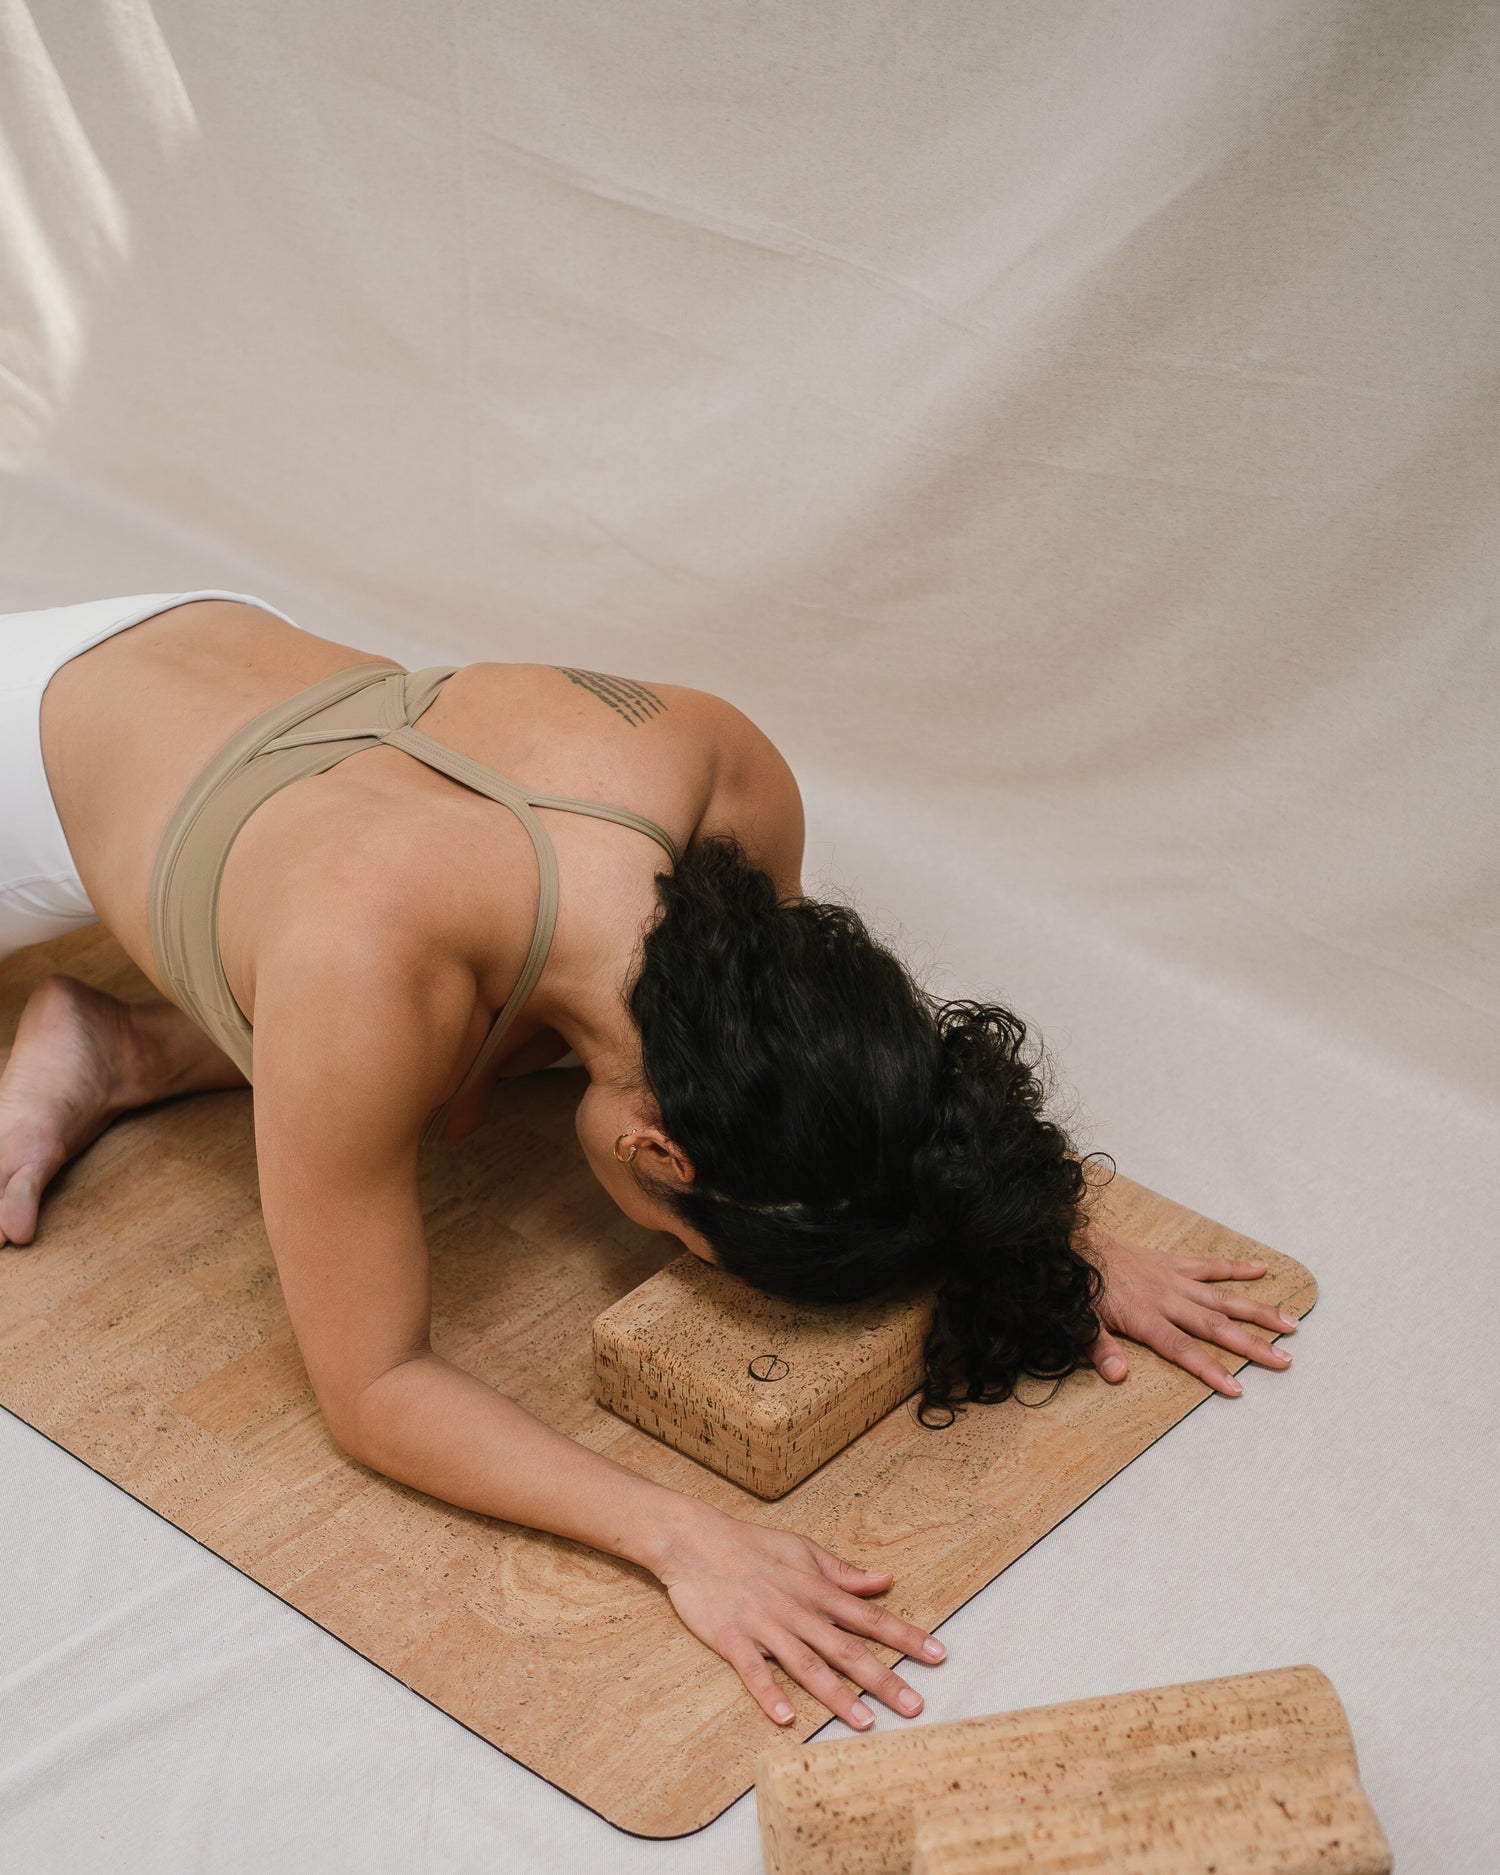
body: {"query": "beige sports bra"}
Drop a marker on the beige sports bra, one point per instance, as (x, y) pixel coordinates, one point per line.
(305, 735)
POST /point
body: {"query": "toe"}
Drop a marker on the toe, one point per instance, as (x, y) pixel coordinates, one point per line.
(19, 1203)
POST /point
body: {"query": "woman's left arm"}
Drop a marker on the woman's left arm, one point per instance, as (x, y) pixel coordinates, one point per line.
(1170, 1304)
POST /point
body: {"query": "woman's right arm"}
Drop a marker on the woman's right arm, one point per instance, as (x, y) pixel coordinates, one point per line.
(344, 1044)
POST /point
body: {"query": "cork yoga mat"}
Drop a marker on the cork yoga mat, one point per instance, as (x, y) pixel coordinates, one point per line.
(144, 1333)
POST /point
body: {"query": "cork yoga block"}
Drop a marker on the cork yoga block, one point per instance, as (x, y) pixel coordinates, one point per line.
(760, 1390)
(1256, 1772)
(1299, 1820)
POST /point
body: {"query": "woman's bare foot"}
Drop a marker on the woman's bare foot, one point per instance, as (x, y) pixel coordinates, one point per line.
(80, 1060)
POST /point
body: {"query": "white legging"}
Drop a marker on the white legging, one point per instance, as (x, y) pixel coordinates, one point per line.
(41, 894)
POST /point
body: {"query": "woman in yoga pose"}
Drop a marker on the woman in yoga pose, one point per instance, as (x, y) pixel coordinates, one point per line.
(272, 834)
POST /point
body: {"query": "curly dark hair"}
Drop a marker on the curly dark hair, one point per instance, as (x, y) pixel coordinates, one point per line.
(848, 1131)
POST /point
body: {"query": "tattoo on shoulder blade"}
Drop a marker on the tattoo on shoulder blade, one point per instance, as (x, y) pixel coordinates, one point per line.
(623, 695)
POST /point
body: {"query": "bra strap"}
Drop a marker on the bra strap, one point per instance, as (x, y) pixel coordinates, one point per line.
(482, 780)
(419, 691)
(621, 816)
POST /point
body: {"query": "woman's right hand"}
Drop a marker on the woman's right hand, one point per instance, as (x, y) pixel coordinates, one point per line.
(755, 1595)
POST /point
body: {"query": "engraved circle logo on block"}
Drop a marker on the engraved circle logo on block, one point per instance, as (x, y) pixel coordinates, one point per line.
(768, 1367)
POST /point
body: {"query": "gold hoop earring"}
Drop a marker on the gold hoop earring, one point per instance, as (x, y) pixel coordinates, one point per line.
(625, 1157)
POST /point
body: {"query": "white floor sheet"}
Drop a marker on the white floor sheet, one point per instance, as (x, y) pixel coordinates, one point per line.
(1071, 432)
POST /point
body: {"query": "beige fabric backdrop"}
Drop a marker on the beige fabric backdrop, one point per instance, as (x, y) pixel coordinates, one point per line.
(1070, 429)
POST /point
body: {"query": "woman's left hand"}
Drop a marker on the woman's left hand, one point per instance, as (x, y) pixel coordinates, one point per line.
(1169, 1304)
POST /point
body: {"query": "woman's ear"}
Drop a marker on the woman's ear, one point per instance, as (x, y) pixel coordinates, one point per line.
(652, 1152)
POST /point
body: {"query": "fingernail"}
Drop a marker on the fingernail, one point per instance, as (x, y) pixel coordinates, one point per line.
(1235, 1388)
(1280, 1354)
(1113, 1368)
(1287, 1321)
(782, 1713)
(861, 1713)
(909, 1701)
(934, 1650)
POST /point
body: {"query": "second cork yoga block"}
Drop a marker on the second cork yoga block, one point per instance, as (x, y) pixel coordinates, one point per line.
(760, 1390)
(1297, 1820)
(1255, 1773)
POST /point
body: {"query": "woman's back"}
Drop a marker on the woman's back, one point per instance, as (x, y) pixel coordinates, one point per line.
(379, 840)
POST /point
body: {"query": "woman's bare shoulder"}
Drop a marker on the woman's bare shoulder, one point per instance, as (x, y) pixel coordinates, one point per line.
(743, 784)
(754, 794)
